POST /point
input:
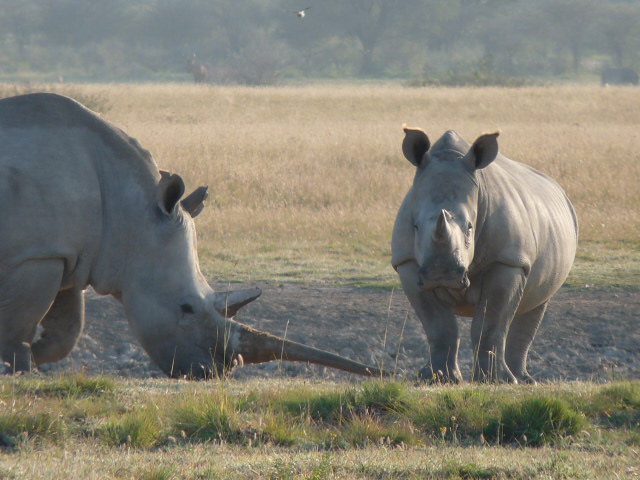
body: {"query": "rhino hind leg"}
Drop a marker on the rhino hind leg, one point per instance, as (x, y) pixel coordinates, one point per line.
(521, 334)
(62, 327)
(440, 326)
(26, 294)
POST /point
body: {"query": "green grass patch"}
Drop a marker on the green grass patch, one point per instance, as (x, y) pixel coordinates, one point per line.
(366, 430)
(312, 265)
(137, 429)
(457, 414)
(201, 419)
(457, 469)
(66, 386)
(326, 417)
(619, 405)
(374, 397)
(612, 263)
(535, 421)
(600, 263)
(163, 472)
(17, 427)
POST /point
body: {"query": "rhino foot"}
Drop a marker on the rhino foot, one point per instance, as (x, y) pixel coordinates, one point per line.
(503, 375)
(437, 377)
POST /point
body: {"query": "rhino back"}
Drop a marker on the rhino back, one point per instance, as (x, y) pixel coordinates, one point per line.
(53, 156)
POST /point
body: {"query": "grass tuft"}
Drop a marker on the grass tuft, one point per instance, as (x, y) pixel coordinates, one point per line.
(139, 429)
(373, 397)
(157, 473)
(383, 396)
(456, 469)
(17, 427)
(535, 421)
(332, 407)
(210, 419)
(457, 414)
(619, 404)
(367, 430)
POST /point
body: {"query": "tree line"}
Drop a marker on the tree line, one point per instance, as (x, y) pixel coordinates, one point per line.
(265, 41)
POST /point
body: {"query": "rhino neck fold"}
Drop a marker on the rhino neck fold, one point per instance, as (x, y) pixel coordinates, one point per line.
(125, 195)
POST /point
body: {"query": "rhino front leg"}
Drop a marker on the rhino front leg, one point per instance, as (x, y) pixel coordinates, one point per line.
(26, 294)
(439, 324)
(502, 290)
(521, 333)
(62, 325)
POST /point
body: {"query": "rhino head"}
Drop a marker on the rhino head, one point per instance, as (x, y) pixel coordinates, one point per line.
(184, 325)
(445, 204)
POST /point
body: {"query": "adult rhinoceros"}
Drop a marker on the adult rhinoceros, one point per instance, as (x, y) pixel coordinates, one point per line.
(81, 203)
(482, 236)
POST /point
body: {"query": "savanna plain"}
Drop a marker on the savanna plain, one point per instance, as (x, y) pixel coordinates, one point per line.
(304, 185)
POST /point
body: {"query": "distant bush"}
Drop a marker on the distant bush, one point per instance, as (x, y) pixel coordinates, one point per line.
(474, 78)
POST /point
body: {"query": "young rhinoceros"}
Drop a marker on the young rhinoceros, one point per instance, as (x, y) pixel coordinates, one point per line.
(81, 203)
(481, 236)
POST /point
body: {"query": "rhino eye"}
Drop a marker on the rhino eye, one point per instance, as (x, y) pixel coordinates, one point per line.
(415, 227)
(468, 234)
(186, 308)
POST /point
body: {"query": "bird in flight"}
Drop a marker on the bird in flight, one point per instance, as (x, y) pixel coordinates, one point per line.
(301, 13)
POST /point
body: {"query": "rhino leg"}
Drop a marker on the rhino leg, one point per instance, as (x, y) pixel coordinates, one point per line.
(26, 294)
(521, 333)
(439, 324)
(62, 325)
(502, 290)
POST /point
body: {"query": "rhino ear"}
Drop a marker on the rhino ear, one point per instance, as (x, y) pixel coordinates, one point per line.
(170, 190)
(415, 144)
(483, 151)
(194, 202)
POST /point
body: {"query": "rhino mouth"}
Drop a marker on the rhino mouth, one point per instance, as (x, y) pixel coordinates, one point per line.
(458, 281)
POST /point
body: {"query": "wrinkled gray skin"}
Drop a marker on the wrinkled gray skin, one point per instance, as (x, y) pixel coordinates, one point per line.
(481, 236)
(81, 204)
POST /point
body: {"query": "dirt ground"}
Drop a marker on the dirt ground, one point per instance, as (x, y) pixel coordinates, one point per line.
(589, 333)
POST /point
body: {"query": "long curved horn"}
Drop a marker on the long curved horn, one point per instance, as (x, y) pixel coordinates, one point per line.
(257, 347)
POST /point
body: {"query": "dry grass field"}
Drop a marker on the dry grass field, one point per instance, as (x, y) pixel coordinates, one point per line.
(305, 181)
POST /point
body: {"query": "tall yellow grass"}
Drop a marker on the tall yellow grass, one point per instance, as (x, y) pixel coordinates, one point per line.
(305, 182)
